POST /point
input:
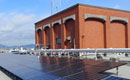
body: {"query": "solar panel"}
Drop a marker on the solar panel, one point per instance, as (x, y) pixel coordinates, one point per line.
(115, 78)
(53, 68)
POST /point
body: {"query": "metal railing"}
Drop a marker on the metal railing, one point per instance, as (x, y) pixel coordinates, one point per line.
(113, 54)
(114, 50)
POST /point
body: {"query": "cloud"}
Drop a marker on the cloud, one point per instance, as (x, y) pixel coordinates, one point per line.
(117, 6)
(17, 28)
(12, 21)
(21, 19)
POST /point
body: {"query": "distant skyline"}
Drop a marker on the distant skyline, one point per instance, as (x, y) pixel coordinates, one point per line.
(17, 17)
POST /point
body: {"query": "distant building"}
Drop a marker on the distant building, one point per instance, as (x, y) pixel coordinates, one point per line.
(84, 26)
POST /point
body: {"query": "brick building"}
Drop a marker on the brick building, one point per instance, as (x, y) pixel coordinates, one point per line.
(85, 26)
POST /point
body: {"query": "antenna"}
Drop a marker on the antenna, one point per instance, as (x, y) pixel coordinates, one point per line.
(51, 7)
(57, 8)
(60, 3)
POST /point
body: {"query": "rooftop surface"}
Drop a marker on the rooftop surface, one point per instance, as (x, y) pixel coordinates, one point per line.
(4, 76)
(28, 67)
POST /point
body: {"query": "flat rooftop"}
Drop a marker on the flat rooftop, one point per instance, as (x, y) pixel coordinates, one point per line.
(27, 67)
(4, 76)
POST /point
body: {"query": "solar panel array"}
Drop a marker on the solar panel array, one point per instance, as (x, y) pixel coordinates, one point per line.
(52, 68)
(115, 78)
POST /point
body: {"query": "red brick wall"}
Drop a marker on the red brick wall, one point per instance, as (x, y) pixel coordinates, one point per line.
(113, 38)
(117, 38)
(47, 37)
(93, 36)
(60, 16)
(57, 34)
(91, 33)
(40, 37)
(70, 31)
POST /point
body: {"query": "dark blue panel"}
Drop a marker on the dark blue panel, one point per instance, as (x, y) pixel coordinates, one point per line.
(52, 68)
(115, 78)
(26, 67)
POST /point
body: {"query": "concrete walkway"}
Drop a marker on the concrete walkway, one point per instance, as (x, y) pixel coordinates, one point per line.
(4, 76)
(123, 71)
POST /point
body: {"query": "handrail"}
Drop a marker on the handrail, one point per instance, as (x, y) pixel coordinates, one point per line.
(120, 50)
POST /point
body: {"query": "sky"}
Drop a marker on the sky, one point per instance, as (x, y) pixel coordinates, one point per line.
(17, 17)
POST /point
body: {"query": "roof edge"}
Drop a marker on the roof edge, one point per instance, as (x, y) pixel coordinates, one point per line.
(81, 5)
(104, 7)
(58, 13)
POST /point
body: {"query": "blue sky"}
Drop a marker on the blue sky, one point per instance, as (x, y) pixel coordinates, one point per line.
(17, 17)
